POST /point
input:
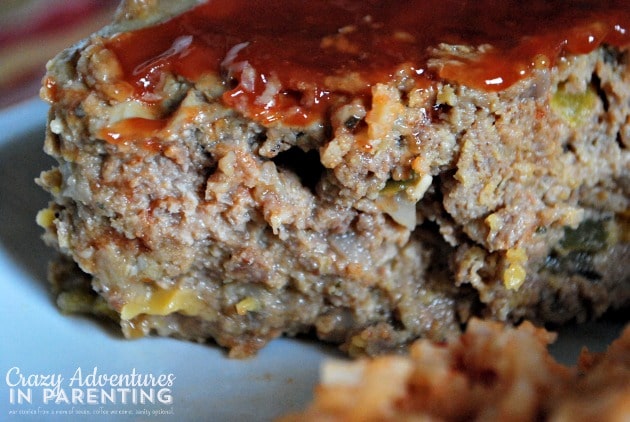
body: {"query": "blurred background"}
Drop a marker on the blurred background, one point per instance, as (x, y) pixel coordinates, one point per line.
(33, 31)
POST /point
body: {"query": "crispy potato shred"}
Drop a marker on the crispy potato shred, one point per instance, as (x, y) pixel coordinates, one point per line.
(491, 373)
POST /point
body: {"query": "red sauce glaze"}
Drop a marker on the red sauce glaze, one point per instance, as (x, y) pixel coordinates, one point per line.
(278, 56)
(142, 132)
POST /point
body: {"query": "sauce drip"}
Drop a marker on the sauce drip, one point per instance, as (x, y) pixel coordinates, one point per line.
(142, 132)
(289, 60)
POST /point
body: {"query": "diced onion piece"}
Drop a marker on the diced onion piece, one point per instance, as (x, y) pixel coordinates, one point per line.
(400, 208)
(249, 304)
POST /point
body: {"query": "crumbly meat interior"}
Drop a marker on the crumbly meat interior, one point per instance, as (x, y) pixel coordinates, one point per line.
(486, 375)
(395, 218)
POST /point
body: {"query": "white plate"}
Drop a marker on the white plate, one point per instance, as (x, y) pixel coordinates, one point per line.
(37, 340)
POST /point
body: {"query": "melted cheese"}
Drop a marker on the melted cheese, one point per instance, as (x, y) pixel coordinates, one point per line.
(164, 302)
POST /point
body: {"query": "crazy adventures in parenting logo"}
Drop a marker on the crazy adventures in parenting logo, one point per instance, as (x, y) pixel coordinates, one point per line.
(90, 388)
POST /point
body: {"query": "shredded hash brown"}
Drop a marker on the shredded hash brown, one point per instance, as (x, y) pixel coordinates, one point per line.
(492, 372)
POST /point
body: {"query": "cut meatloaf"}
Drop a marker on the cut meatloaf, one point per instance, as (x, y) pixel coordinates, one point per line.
(368, 172)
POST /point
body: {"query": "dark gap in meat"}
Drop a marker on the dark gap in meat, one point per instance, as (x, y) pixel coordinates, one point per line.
(597, 83)
(305, 164)
(396, 321)
(205, 172)
(441, 185)
(569, 148)
(620, 141)
(259, 138)
(352, 122)
(439, 111)
(229, 80)
(429, 233)
(438, 184)
(210, 166)
(55, 141)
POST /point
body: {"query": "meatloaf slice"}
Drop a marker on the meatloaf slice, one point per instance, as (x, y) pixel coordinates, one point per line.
(370, 172)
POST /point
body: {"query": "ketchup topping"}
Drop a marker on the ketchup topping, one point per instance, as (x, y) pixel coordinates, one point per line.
(288, 60)
(143, 132)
